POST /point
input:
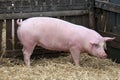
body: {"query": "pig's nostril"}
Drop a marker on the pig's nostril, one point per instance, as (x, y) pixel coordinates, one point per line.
(105, 56)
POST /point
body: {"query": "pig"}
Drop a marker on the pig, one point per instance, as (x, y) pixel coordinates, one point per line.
(59, 35)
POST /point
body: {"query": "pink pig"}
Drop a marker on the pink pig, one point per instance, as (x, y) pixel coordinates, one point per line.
(59, 35)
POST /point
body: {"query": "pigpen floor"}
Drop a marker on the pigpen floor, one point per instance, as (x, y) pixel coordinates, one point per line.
(59, 68)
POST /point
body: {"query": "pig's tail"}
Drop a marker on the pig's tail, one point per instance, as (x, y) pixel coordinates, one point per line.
(19, 21)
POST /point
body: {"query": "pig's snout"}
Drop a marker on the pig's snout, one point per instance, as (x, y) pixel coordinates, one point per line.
(104, 56)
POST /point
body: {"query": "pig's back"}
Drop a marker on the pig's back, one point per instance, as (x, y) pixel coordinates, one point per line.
(45, 21)
(46, 25)
(50, 23)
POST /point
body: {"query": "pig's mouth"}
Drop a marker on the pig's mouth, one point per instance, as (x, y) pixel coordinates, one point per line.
(101, 57)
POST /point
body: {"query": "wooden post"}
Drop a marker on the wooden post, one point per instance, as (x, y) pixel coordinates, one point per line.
(3, 43)
(13, 34)
(13, 28)
(91, 14)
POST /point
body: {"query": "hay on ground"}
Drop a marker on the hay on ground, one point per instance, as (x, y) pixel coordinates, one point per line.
(59, 68)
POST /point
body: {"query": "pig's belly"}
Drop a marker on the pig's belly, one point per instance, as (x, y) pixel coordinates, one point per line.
(53, 45)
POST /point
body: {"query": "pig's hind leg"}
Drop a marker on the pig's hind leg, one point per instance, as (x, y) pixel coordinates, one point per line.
(27, 52)
(75, 53)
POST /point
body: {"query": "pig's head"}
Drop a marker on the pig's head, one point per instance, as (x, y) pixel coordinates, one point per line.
(97, 47)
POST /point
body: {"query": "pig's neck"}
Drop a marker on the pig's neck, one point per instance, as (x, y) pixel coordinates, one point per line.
(87, 49)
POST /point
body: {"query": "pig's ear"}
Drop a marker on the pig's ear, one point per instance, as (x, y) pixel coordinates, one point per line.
(109, 38)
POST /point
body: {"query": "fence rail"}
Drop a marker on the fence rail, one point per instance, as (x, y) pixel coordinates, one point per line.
(107, 6)
(50, 13)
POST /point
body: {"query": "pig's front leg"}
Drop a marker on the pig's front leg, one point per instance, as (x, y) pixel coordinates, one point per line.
(75, 52)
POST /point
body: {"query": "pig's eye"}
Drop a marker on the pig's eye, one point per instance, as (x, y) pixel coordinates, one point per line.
(96, 45)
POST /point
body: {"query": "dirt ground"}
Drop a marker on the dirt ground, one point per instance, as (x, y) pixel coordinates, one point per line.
(59, 68)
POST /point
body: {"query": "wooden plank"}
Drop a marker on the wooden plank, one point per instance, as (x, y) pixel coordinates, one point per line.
(3, 43)
(91, 14)
(102, 20)
(107, 6)
(85, 19)
(5, 6)
(36, 14)
(8, 34)
(27, 6)
(0, 33)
